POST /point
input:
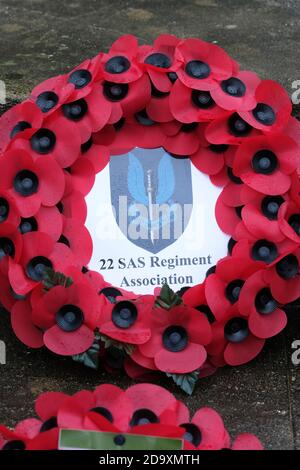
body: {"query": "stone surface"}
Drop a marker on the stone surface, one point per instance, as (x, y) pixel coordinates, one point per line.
(40, 39)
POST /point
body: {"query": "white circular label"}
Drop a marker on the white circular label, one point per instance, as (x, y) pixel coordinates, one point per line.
(152, 221)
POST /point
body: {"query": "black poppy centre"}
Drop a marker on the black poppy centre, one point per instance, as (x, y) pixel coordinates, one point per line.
(7, 247)
(47, 100)
(233, 290)
(100, 410)
(264, 250)
(43, 141)
(238, 127)
(80, 78)
(264, 302)
(270, 206)
(197, 69)
(115, 91)
(288, 267)
(26, 183)
(175, 338)
(37, 266)
(69, 317)
(192, 433)
(143, 416)
(124, 314)
(234, 87)
(264, 114)
(117, 64)
(264, 162)
(236, 330)
(4, 209)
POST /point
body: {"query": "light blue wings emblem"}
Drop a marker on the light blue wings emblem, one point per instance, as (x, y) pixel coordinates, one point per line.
(135, 180)
(138, 191)
(166, 180)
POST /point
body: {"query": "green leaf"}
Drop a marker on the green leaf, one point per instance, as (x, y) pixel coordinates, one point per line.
(186, 382)
(90, 358)
(167, 298)
(52, 279)
(109, 343)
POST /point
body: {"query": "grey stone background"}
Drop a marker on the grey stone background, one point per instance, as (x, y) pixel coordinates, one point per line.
(40, 38)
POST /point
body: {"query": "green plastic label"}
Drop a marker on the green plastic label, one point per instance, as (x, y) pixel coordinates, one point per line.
(70, 439)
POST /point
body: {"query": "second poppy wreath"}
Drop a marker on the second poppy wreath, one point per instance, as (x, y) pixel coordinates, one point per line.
(182, 104)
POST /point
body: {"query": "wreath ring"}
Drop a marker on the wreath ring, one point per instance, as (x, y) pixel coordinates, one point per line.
(192, 99)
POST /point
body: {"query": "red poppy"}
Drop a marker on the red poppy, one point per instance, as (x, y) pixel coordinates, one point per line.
(233, 340)
(203, 64)
(8, 297)
(48, 220)
(51, 94)
(182, 139)
(34, 434)
(17, 119)
(88, 114)
(23, 326)
(39, 252)
(289, 221)
(137, 131)
(11, 246)
(238, 92)
(158, 108)
(264, 250)
(227, 216)
(193, 105)
(127, 321)
(206, 431)
(97, 155)
(77, 237)
(52, 140)
(223, 288)
(211, 159)
(96, 280)
(80, 176)
(69, 317)
(31, 183)
(220, 179)
(260, 214)
(73, 205)
(143, 361)
(83, 77)
(247, 442)
(120, 64)
(265, 163)
(9, 214)
(107, 401)
(229, 129)
(177, 339)
(283, 277)
(256, 302)
(273, 109)
(20, 437)
(160, 61)
(153, 404)
(195, 297)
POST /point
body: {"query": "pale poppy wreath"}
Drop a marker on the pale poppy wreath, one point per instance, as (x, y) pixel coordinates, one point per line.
(189, 97)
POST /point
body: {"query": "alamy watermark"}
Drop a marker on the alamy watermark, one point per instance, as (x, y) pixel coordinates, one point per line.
(2, 92)
(2, 353)
(295, 97)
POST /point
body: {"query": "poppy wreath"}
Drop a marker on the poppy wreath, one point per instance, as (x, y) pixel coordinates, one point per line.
(143, 409)
(189, 97)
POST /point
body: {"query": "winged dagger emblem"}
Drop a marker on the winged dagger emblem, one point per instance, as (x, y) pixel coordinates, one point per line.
(142, 189)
